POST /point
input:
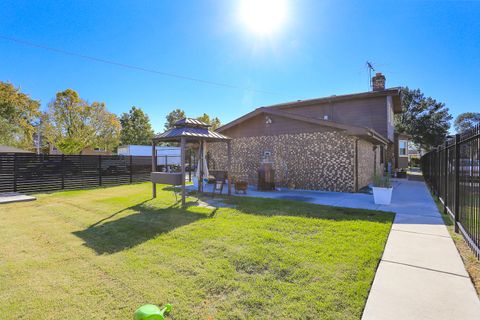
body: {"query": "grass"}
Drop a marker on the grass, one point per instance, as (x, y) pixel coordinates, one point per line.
(101, 253)
(472, 263)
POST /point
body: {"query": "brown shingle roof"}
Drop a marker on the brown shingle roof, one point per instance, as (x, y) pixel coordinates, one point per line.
(395, 92)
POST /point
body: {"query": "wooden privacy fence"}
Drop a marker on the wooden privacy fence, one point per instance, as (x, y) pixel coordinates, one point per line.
(30, 173)
(453, 172)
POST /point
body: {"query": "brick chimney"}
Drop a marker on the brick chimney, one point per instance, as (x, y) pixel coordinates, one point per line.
(378, 82)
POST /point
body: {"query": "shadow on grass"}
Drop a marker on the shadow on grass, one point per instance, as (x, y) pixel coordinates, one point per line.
(108, 236)
(277, 207)
(147, 222)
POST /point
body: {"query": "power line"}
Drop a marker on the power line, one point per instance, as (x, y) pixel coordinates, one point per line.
(130, 66)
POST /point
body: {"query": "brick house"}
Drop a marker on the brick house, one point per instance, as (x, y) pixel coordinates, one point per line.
(334, 143)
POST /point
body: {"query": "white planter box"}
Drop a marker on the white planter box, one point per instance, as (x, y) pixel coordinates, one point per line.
(382, 195)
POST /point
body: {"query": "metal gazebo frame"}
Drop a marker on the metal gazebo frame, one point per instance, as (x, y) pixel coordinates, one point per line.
(185, 131)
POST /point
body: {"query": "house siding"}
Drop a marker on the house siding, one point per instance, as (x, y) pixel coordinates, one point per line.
(368, 112)
(312, 160)
(257, 126)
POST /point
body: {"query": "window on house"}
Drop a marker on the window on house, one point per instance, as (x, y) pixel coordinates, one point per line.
(402, 148)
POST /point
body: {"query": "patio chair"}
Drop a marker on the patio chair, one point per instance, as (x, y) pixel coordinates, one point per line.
(218, 187)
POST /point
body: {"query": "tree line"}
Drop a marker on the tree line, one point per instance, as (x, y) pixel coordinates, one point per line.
(72, 124)
(428, 121)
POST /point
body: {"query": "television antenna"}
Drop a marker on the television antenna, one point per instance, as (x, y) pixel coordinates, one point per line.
(370, 68)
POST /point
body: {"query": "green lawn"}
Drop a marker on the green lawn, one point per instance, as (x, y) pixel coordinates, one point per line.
(101, 253)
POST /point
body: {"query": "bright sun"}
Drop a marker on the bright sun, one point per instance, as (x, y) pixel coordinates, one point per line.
(263, 17)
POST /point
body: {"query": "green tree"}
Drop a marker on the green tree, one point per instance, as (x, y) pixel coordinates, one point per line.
(136, 128)
(425, 119)
(466, 121)
(173, 117)
(214, 122)
(18, 113)
(71, 124)
(179, 114)
(104, 127)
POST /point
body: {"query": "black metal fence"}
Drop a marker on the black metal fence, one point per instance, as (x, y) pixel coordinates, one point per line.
(453, 172)
(30, 173)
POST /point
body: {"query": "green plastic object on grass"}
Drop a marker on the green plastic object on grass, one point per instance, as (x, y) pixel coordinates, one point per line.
(152, 312)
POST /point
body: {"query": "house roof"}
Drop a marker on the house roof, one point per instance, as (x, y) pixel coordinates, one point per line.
(365, 133)
(192, 129)
(395, 92)
(8, 149)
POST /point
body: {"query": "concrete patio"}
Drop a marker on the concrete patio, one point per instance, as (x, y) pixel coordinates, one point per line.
(10, 197)
(421, 274)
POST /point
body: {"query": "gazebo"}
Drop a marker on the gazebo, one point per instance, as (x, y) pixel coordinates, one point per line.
(187, 131)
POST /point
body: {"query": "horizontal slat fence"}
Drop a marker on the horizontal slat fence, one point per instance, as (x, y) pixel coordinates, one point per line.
(30, 173)
(452, 171)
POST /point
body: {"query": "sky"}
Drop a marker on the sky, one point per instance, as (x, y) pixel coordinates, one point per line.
(203, 55)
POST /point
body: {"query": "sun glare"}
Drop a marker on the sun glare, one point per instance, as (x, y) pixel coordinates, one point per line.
(263, 17)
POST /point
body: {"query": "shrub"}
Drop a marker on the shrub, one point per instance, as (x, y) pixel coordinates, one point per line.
(381, 181)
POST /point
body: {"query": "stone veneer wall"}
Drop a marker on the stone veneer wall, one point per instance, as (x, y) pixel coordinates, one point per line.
(315, 161)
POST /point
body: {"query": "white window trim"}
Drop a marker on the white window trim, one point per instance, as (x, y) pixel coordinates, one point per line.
(406, 149)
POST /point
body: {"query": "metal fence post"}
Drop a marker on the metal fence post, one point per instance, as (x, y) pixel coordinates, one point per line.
(457, 181)
(445, 185)
(434, 171)
(439, 169)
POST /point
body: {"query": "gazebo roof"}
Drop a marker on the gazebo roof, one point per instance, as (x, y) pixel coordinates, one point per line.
(191, 122)
(192, 129)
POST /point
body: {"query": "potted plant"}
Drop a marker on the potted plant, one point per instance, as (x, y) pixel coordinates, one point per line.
(382, 189)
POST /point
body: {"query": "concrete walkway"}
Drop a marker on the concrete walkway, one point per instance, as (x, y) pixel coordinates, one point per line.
(421, 274)
(10, 197)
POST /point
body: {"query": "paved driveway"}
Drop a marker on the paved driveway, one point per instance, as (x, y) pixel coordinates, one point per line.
(421, 274)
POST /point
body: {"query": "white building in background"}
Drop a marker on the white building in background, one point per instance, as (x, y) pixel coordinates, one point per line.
(165, 155)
